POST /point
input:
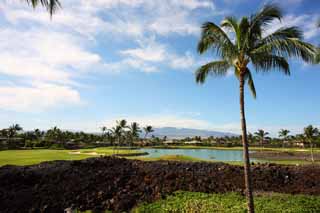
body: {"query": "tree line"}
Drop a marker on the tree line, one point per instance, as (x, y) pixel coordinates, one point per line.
(122, 134)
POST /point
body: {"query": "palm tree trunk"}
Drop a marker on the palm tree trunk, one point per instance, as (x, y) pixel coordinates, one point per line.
(247, 171)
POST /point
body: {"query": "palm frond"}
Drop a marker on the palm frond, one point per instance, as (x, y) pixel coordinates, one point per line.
(284, 33)
(231, 23)
(265, 63)
(214, 37)
(217, 68)
(51, 5)
(251, 83)
(244, 39)
(266, 15)
(289, 47)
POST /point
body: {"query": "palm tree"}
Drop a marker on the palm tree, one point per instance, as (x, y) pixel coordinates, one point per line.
(104, 129)
(13, 129)
(284, 133)
(311, 133)
(51, 5)
(249, 45)
(147, 130)
(134, 132)
(122, 125)
(261, 135)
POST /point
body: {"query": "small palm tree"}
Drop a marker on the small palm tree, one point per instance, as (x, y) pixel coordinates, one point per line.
(249, 45)
(104, 130)
(311, 133)
(284, 133)
(13, 129)
(147, 130)
(122, 125)
(134, 132)
(51, 5)
(261, 135)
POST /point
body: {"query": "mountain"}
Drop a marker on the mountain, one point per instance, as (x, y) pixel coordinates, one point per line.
(176, 133)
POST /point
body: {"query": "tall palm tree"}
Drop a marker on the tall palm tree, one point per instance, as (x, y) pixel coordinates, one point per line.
(122, 125)
(284, 133)
(134, 132)
(250, 46)
(311, 133)
(147, 130)
(261, 135)
(51, 5)
(104, 129)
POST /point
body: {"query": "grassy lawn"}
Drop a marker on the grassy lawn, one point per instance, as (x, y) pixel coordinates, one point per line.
(35, 156)
(231, 202)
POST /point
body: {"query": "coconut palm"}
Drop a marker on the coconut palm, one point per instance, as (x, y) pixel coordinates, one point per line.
(51, 5)
(248, 45)
(284, 133)
(261, 135)
(147, 130)
(13, 129)
(311, 133)
(134, 132)
(104, 130)
(122, 124)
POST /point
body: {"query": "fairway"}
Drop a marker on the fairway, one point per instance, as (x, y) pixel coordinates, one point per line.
(35, 156)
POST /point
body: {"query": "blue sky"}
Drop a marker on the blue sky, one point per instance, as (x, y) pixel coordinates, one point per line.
(98, 61)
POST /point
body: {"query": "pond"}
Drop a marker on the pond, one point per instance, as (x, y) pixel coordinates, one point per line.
(205, 154)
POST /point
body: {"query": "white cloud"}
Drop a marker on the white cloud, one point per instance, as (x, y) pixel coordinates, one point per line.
(37, 97)
(42, 55)
(306, 22)
(175, 23)
(186, 61)
(149, 50)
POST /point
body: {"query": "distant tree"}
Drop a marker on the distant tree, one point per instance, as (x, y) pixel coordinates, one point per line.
(134, 132)
(51, 5)
(13, 129)
(104, 129)
(122, 125)
(148, 130)
(250, 137)
(261, 135)
(311, 133)
(117, 133)
(283, 134)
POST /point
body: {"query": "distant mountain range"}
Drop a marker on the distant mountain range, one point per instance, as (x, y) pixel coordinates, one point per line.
(176, 133)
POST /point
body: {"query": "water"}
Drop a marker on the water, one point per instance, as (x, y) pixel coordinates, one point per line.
(205, 154)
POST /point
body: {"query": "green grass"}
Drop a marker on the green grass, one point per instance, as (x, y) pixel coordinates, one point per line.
(231, 202)
(35, 156)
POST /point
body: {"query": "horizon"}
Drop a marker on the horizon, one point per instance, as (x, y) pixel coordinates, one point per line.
(135, 60)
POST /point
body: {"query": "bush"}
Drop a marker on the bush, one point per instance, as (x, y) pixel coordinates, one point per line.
(231, 202)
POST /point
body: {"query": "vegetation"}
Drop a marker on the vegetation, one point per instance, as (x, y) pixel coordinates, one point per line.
(35, 156)
(120, 135)
(231, 202)
(51, 5)
(249, 45)
(311, 133)
(283, 134)
(261, 135)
